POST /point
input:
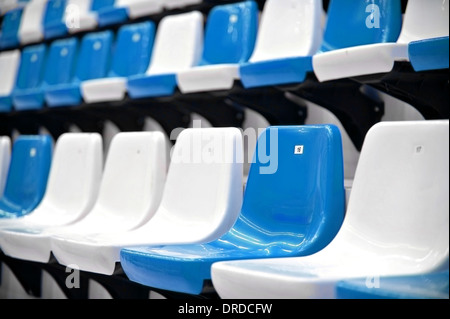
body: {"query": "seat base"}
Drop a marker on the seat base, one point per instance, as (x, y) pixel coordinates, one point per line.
(151, 85)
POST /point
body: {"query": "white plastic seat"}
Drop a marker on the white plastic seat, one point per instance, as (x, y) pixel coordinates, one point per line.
(72, 189)
(178, 45)
(230, 36)
(201, 201)
(124, 10)
(9, 66)
(5, 157)
(397, 221)
(422, 20)
(31, 27)
(130, 193)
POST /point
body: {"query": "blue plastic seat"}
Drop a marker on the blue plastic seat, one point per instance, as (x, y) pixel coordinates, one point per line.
(9, 31)
(345, 27)
(131, 56)
(424, 286)
(54, 24)
(294, 205)
(27, 176)
(28, 93)
(230, 36)
(429, 54)
(92, 62)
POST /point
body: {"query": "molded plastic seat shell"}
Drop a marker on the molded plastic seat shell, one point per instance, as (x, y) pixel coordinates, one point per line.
(5, 157)
(71, 192)
(230, 36)
(9, 35)
(27, 175)
(178, 45)
(132, 52)
(396, 223)
(423, 20)
(31, 29)
(293, 205)
(201, 200)
(130, 192)
(124, 10)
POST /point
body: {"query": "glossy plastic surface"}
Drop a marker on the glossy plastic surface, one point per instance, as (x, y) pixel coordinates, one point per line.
(425, 286)
(28, 93)
(230, 36)
(54, 24)
(71, 192)
(293, 205)
(9, 37)
(202, 198)
(28, 172)
(429, 54)
(130, 192)
(131, 56)
(396, 223)
(422, 20)
(92, 62)
(9, 66)
(31, 28)
(178, 45)
(289, 34)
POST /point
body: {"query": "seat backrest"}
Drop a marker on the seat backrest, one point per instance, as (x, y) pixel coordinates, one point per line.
(133, 49)
(133, 178)
(5, 157)
(31, 25)
(230, 33)
(94, 55)
(28, 173)
(399, 202)
(9, 31)
(173, 4)
(32, 67)
(178, 43)
(295, 190)
(425, 20)
(61, 62)
(288, 28)
(9, 65)
(53, 16)
(75, 174)
(204, 182)
(353, 23)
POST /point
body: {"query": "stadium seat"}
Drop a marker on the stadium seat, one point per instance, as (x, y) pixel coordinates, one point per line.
(5, 157)
(132, 52)
(9, 32)
(201, 200)
(28, 93)
(178, 45)
(54, 23)
(91, 63)
(124, 10)
(380, 57)
(396, 222)
(130, 192)
(293, 205)
(284, 46)
(424, 286)
(27, 175)
(31, 29)
(429, 54)
(71, 192)
(230, 35)
(9, 65)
